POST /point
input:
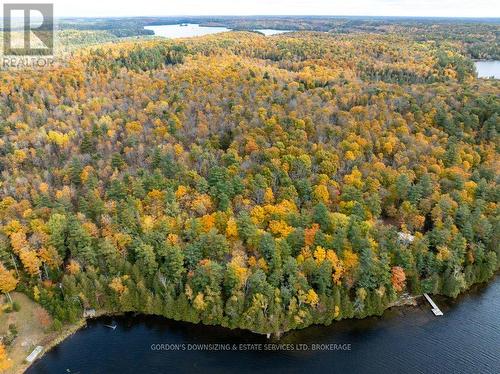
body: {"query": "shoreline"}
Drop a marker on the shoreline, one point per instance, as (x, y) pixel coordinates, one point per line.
(405, 302)
(58, 339)
(70, 330)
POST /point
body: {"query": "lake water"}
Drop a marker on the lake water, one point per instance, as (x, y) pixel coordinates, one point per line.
(405, 340)
(191, 29)
(178, 31)
(269, 32)
(487, 69)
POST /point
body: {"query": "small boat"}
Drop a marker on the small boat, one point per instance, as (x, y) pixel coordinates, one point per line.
(111, 326)
(184, 24)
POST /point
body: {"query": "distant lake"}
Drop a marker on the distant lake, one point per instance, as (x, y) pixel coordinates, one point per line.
(269, 32)
(487, 69)
(404, 340)
(187, 31)
(192, 29)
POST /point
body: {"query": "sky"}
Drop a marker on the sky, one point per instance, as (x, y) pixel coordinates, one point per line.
(416, 8)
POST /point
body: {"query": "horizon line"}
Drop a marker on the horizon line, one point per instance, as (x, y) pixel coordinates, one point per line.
(491, 18)
(278, 15)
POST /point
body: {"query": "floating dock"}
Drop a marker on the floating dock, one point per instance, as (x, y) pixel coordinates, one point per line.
(435, 308)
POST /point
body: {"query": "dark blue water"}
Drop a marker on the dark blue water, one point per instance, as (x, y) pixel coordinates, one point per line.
(405, 340)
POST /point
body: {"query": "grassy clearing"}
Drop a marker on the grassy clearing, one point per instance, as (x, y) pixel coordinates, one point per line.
(32, 323)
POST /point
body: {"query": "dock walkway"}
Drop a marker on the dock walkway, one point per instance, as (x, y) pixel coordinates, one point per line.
(435, 308)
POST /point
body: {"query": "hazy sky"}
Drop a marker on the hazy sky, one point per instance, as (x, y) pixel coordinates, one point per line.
(436, 8)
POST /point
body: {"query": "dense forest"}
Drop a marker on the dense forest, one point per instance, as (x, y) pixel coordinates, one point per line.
(265, 183)
(476, 38)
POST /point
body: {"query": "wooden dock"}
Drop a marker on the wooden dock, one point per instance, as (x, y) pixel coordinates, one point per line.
(33, 355)
(435, 308)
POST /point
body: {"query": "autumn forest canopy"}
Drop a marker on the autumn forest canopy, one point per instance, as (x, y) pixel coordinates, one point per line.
(265, 183)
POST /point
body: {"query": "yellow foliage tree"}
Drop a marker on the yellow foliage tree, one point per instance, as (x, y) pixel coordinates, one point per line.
(280, 228)
(8, 281)
(208, 222)
(337, 264)
(199, 302)
(58, 138)
(319, 255)
(50, 256)
(354, 179)
(18, 241)
(263, 265)
(201, 204)
(5, 361)
(321, 194)
(31, 262)
(118, 286)
(231, 229)
(258, 214)
(181, 192)
(351, 260)
(73, 267)
(312, 298)
(269, 196)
